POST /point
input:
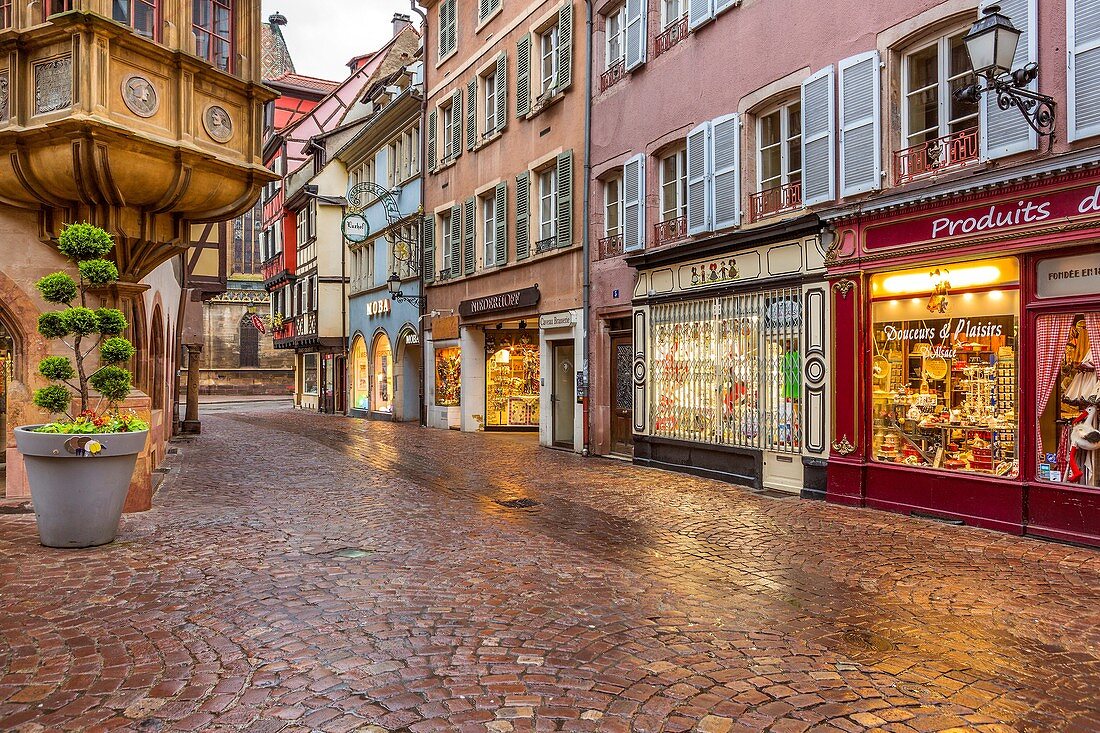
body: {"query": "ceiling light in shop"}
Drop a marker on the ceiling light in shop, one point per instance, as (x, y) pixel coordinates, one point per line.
(924, 282)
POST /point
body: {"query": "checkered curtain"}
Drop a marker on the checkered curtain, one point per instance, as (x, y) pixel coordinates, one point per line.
(1050, 346)
(1092, 325)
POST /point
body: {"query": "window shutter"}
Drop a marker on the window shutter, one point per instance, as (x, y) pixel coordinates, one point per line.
(468, 259)
(725, 136)
(502, 223)
(455, 243)
(433, 124)
(721, 5)
(564, 224)
(483, 9)
(502, 91)
(471, 114)
(456, 128)
(634, 203)
(700, 167)
(565, 46)
(523, 76)
(700, 12)
(636, 33)
(523, 213)
(860, 126)
(427, 247)
(1006, 132)
(1083, 79)
(818, 138)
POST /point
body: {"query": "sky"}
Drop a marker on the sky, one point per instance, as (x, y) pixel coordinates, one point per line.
(324, 34)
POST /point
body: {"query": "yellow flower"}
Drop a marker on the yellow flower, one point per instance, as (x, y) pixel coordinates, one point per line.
(93, 447)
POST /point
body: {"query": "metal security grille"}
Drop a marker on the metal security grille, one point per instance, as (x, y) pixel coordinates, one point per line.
(728, 370)
(624, 382)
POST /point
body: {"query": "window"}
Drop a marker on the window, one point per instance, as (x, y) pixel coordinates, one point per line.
(249, 351)
(613, 207)
(674, 185)
(671, 11)
(5, 13)
(548, 206)
(445, 237)
(615, 30)
(311, 368)
(53, 7)
(449, 123)
(448, 28)
(930, 76)
(779, 147)
(486, 8)
(212, 26)
(141, 15)
(489, 228)
(548, 55)
(360, 375)
(404, 246)
(413, 151)
(489, 99)
(382, 397)
(448, 377)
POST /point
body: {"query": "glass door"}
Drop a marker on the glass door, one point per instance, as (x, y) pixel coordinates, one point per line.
(564, 395)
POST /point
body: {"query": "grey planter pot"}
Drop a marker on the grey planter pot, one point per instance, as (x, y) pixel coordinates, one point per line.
(78, 495)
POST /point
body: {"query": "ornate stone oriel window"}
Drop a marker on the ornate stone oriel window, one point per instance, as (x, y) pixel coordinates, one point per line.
(141, 15)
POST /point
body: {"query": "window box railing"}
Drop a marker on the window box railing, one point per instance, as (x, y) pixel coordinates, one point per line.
(670, 230)
(287, 330)
(274, 270)
(775, 200)
(936, 156)
(673, 34)
(544, 245)
(611, 246)
(445, 274)
(610, 77)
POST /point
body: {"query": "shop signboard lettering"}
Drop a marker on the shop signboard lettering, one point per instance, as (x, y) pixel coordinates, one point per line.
(1061, 277)
(378, 307)
(1017, 214)
(355, 228)
(555, 320)
(512, 300)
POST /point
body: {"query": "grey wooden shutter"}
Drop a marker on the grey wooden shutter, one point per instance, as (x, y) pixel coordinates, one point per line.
(433, 153)
(1083, 78)
(700, 12)
(725, 136)
(699, 170)
(454, 245)
(636, 33)
(523, 214)
(502, 91)
(456, 128)
(523, 76)
(720, 5)
(468, 251)
(427, 247)
(483, 9)
(634, 203)
(1006, 132)
(565, 46)
(471, 114)
(564, 225)
(818, 138)
(502, 223)
(860, 126)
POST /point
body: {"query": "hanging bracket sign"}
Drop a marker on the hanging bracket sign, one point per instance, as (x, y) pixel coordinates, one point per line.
(355, 228)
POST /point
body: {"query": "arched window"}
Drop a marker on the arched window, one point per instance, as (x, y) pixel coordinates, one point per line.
(212, 26)
(250, 343)
(360, 375)
(141, 15)
(383, 375)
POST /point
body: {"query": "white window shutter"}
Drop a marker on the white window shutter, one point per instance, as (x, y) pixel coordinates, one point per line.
(722, 5)
(1004, 132)
(636, 34)
(818, 138)
(634, 203)
(860, 124)
(700, 171)
(1083, 79)
(725, 135)
(700, 12)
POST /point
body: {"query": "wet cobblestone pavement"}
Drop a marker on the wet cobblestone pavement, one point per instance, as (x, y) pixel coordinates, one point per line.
(311, 573)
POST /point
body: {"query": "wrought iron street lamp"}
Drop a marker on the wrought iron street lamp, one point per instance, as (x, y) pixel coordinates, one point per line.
(991, 45)
(394, 284)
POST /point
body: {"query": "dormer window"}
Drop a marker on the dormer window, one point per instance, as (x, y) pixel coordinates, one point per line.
(141, 15)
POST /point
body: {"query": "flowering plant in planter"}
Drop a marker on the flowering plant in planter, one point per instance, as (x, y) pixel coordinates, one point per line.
(87, 246)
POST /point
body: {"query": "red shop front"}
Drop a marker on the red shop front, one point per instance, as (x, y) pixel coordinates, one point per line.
(964, 381)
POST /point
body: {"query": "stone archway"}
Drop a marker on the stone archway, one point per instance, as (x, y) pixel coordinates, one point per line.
(157, 353)
(408, 376)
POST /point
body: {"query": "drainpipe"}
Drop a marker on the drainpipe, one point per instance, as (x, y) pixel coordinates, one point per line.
(586, 213)
(343, 310)
(423, 307)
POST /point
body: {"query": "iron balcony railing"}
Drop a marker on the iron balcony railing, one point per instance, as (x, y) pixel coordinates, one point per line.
(673, 34)
(544, 245)
(936, 156)
(670, 230)
(610, 77)
(274, 270)
(775, 200)
(611, 246)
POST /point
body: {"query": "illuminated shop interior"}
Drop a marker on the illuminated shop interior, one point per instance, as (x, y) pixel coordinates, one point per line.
(448, 377)
(512, 373)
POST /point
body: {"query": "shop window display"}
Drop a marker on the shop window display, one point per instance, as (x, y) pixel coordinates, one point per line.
(448, 377)
(728, 370)
(511, 379)
(1068, 398)
(311, 374)
(360, 385)
(943, 369)
(383, 375)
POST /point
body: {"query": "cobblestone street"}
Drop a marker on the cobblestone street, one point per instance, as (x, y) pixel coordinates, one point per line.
(302, 572)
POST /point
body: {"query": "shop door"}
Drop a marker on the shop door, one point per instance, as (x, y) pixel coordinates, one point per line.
(622, 395)
(340, 392)
(564, 395)
(5, 375)
(326, 380)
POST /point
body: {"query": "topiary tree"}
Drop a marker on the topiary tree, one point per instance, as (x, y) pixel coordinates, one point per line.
(87, 247)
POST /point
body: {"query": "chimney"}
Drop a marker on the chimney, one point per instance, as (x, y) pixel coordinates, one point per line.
(400, 22)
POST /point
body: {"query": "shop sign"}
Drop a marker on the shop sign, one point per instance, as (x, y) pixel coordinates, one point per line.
(709, 273)
(523, 298)
(556, 320)
(412, 339)
(1016, 214)
(355, 228)
(378, 307)
(444, 328)
(1061, 277)
(955, 330)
